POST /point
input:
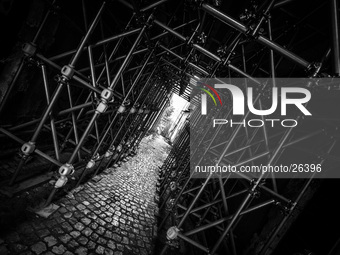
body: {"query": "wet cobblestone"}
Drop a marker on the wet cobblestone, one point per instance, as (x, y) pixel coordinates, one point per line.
(115, 215)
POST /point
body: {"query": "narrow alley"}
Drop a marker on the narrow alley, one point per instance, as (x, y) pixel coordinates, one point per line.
(115, 215)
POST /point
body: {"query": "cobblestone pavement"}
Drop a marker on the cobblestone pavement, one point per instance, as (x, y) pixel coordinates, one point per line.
(115, 215)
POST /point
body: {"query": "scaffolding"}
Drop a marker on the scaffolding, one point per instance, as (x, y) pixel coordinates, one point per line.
(117, 87)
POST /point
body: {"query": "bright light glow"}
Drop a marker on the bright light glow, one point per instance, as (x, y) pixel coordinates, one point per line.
(178, 103)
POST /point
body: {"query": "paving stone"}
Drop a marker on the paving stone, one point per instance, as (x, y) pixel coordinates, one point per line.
(73, 221)
(38, 225)
(115, 223)
(108, 219)
(81, 251)
(62, 210)
(72, 244)
(97, 212)
(71, 208)
(140, 243)
(75, 234)
(73, 201)
(51, 223)
(120, 247)
(17, 248)
(79, 226)
(108, 234)
(94, 236)
(67, 226)
(58, 231)
(86, 211)
(116, 237)
(59, 249)
(91, 207)
(100, 230)
(101, 222)
(125, 240)
(87, 231)
(68, 215)
(100, 249)
(65, 238)
(91, 245)
(108, 251)
(101, 241)
(81, 207)
(50, 240)
(38, 248)
(78, 214)
(109, 214)
(83, 240)
(143, 252)
(86, 221)
(94, 225)
(111, 244)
